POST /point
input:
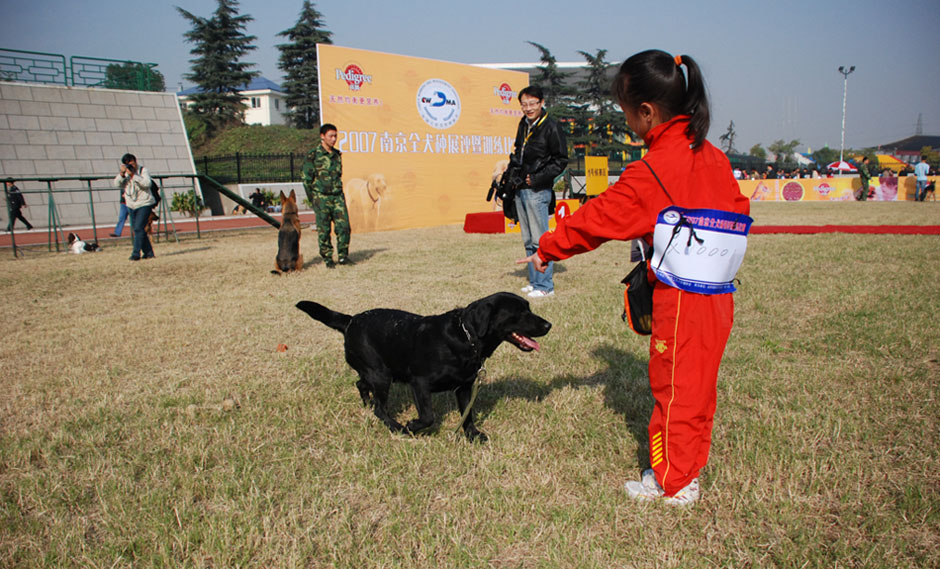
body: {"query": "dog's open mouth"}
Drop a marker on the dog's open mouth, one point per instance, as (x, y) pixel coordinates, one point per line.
(524, 343)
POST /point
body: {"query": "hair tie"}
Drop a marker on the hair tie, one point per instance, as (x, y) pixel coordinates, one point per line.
(678, 60)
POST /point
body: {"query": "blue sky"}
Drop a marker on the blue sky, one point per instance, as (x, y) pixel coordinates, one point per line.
(771, 67)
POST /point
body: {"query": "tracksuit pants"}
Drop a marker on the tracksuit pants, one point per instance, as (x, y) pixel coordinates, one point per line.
(688, 339)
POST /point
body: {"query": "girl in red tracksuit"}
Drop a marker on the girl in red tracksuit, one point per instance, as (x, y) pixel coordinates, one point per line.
(690, 330)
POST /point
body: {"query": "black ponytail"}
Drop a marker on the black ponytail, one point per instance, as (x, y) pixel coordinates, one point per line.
(655, 77)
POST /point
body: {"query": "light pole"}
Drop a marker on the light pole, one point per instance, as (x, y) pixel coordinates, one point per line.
(845, 85)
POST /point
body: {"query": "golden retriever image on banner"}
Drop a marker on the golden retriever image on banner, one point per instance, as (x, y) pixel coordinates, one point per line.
(365, 199)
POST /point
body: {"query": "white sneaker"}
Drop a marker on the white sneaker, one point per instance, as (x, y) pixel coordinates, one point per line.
(541, 293)
(527, 288)
(647, 488)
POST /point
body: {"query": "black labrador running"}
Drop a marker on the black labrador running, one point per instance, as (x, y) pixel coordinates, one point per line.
(430, 353)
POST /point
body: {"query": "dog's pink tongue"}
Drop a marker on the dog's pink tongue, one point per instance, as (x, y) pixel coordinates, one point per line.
(529, 343)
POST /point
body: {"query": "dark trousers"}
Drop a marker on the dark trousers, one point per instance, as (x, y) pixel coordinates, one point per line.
(17, 214)
(142, 244)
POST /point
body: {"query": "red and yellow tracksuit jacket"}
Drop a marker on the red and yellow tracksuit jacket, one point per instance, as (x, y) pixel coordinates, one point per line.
(689, 330)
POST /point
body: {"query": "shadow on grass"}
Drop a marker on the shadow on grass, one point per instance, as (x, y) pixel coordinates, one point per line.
(523, 272)
(356, 257)
(186, 251)
(624, 381)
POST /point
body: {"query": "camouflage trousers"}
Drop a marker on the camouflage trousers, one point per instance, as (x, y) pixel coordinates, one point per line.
(332, 210)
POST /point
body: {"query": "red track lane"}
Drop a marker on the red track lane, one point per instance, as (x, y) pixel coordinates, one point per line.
(875, 229)
(186, 225)
(228, 223)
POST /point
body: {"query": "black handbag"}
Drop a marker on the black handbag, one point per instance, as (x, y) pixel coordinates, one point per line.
(638, 296)
(638, 300)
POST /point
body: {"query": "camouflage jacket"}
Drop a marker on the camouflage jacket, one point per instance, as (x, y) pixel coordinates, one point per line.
(323, 171)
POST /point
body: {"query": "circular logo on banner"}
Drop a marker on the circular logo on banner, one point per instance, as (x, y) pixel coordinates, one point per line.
(671, 217)
(354, 76)
(438, 103)
(505, 93)
(792, 192)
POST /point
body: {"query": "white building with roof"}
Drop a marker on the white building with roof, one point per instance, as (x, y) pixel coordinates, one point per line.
(264, 101)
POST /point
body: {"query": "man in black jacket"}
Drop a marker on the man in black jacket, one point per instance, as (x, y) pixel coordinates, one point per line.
(16, 201)
(543, 154)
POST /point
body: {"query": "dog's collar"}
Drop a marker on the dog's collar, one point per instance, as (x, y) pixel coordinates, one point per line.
(478, 350)
(465, 331)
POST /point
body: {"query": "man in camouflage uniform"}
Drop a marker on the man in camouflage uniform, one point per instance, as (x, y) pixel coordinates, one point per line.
(323, 182)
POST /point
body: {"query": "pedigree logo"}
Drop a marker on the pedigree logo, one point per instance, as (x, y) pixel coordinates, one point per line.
(353, 76)
(505, 93)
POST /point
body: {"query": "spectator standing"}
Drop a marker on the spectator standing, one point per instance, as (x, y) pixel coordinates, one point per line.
(864, 177)
(17, 203)
(257, 199)
(122, 217)
(135, 183)
(323, 182)
(541, 149)
(921, 171)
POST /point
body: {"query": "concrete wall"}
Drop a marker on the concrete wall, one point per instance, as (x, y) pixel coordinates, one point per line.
(51, 131)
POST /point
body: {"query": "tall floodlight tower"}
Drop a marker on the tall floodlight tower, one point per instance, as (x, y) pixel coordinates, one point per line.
(845, 85)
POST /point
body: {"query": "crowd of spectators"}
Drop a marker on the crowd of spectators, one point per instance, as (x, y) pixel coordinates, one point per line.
(774, 173)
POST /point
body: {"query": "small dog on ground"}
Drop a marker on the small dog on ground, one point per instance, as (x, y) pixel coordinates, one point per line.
(77, 246)
(430, 353)
(288, 237)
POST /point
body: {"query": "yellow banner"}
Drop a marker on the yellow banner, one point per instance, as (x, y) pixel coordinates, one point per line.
(595, 173)
(421, 139)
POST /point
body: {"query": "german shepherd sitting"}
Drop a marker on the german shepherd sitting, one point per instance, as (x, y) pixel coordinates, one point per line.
(288, 237)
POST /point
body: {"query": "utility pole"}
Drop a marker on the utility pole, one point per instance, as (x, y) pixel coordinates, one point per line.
(845, 85)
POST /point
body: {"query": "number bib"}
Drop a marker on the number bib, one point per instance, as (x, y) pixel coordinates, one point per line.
(699, 250)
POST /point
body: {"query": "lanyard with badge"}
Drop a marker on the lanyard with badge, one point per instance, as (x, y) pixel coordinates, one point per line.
(531, 130)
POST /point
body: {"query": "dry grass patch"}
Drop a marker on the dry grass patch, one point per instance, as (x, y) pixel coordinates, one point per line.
(147, 419)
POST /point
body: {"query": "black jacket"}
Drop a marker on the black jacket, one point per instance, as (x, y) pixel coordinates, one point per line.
(545, 155)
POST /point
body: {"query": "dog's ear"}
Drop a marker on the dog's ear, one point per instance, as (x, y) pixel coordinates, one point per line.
(293, 195)
(283, 197)
(478, 316)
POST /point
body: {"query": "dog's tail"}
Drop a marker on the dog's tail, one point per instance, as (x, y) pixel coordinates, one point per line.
(335, 320)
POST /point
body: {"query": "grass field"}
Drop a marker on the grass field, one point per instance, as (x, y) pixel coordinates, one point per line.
(148, 420)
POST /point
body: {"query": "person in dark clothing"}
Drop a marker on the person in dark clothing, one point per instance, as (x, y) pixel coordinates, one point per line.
(864, 176)
(257, 199)
(541, 149)
(16, 201)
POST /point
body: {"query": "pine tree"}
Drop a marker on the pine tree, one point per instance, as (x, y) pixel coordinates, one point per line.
(550, 79)
(606, 131)
(219, 43)
(298, 61)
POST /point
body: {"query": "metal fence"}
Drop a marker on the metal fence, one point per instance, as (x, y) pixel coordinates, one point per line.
(45, 196)
(77, 71)
(94, 195)
(242, 168)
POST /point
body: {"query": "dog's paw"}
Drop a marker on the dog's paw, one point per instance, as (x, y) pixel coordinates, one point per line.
(476, 436)
(416, 427)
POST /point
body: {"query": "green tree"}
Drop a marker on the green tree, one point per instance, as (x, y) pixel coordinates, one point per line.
(219, 43)
(551, 80)
(825, 156)
(600, 125)
(758, 151)
(133, 77)
(933, 156)
(298, 61)
(784, 150)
